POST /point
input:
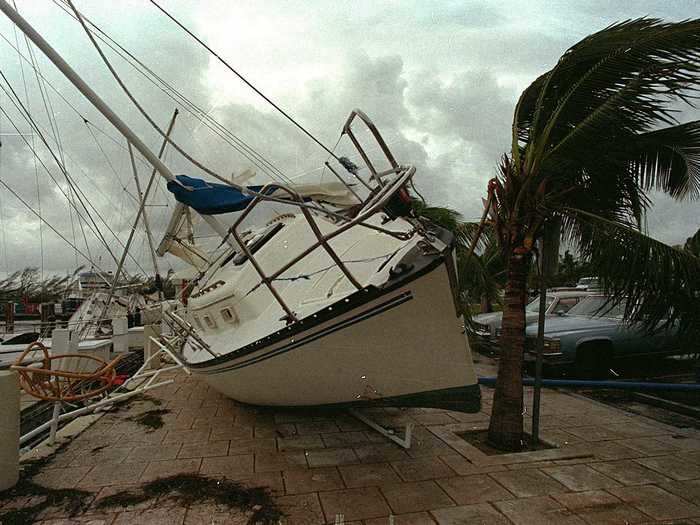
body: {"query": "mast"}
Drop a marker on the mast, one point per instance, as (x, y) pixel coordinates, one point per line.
(80, 84)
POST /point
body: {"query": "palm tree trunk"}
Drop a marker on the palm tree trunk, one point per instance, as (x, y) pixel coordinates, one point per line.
(506, 425)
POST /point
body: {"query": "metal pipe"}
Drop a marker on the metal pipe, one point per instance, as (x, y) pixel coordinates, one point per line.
(611, 385)
(80, 84)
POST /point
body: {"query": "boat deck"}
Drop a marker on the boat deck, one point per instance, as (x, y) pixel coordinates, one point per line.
(610, 466)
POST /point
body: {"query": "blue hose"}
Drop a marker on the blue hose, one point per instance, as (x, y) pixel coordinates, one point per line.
(612, 385)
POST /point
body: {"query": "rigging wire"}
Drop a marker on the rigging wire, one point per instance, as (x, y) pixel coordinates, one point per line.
(243, 79)
(20, 107)
(2, 207)
(236, 142)
(36, 168)
(131, 97)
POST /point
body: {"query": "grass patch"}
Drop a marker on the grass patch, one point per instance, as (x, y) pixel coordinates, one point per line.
(153, 419)
(193, 488)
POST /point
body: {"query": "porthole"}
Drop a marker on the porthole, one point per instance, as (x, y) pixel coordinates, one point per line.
(210, 322)
(198, 323)
(228, 315)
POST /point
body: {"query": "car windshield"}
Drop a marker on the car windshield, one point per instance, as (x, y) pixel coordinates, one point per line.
(534, 306)
(596, 306)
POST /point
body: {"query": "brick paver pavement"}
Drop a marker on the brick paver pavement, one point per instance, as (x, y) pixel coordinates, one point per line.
(326, 467)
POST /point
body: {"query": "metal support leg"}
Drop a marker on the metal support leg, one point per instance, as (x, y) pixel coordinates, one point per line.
(54, 422)
(404, 442)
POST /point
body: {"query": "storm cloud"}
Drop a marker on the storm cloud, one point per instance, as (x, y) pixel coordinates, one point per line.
(440, 79)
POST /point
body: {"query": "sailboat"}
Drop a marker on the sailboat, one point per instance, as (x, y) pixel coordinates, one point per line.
(344, 297)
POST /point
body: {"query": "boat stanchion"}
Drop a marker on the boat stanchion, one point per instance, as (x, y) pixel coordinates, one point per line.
(404, 441)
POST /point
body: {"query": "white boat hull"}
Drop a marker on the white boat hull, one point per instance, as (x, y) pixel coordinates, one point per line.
(406, 346)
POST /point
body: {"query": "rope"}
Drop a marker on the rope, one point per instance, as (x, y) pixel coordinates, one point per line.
(242, 78)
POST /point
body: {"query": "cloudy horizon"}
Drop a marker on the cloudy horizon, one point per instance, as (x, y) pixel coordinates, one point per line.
(440, 80)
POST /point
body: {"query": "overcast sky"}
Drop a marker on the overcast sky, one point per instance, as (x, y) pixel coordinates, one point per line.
(440, 79)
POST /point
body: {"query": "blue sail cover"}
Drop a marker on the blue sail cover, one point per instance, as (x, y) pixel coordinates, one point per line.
(210, 198)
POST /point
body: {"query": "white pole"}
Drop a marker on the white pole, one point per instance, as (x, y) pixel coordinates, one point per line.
(78, 82)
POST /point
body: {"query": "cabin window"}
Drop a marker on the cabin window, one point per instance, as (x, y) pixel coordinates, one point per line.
(198, 323)
(228, 315)
(210, 322)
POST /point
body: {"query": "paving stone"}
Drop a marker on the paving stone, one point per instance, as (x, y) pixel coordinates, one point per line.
(166, 516)
(271, 461)
(688, 490)
(108, 455)
(203, 450)
(682, 441)
(593, 433)
(310, 441)
(672, 466)
(316, 427)
(170, 467)
(541, 510)
(267, 480)
(656, 502)
(422, 469)
(301, 509)
(231, 433)
(464, 467)
(299, 481)
(480, 488)
(380, 452)
(649, 446)
(608, 450)
(413, 518)
(629, 472)
(61, 478)
(414, 497)
(635, 428)
(580, 477)
(122, 474)
(93, 519)
(479, 514)
(528, 482)
(249, 446)
(353, 504)
(599, 507)
(233, 467)
(440, 418)
(331, 456)
(344, 439)
(214, 515)
(187, 436)
(367, 475)
(146, 453)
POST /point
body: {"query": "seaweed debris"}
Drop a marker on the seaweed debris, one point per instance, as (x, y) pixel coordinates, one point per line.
(73, 501)
(193, 488)
(153, 419)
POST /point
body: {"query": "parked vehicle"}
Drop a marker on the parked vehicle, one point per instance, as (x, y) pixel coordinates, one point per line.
(588, 283)
(591, 336)
(487, 327)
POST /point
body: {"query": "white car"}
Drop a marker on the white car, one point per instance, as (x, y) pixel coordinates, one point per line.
(487, 327)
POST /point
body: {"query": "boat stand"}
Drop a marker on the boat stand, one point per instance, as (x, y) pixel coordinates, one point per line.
(148, 381)
(404, 441)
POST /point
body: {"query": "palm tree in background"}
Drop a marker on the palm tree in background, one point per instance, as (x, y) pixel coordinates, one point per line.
(590, 138)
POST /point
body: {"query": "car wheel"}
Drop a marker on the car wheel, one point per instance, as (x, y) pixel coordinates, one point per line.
(593, 361)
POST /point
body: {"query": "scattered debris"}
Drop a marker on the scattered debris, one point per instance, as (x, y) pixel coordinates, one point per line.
(153, 419)
(73, 501)
(188, 489)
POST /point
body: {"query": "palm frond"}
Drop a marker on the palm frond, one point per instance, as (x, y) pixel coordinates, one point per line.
(660, 283)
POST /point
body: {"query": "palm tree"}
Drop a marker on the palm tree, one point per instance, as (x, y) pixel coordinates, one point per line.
(590, 138)
(482, 274)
